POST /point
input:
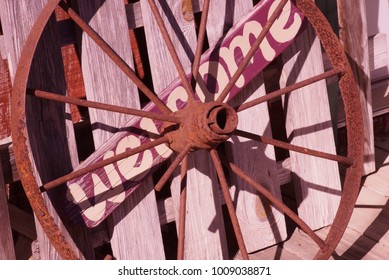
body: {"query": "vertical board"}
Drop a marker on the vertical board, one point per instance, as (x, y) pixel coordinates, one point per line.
(55, 142)
(261, 225)
(105, 82)
(353, 35)
(7, 251)
(308, 124)
(205, 234)
(5, 95)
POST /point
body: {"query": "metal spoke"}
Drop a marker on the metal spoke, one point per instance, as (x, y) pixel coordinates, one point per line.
(252, 51)
(115, 57)
(172, 167)
(229, 203)
(103, 106)
(283, 145)
(182, 210)
(288, 89)
(172, 50)
(80, 172)
(275, 201)
(200, 40)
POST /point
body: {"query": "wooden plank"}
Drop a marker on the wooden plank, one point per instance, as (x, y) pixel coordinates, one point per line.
(22, 222)
(353, 35)
(316, 180)
(380, 91)
(5, 95)
(371, 215)
(301, 245)
(355, 246)
(205, 236)
(276, 252)
(7, 251)
(378, 181)
(261, 225)
(57, 154)
(82, 190)
(105, 82)
(378, 56)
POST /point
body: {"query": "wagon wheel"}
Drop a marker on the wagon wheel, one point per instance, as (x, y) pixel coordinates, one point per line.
(197, 125)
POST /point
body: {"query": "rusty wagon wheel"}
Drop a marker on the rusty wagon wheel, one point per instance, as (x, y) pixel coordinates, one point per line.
(196, 124)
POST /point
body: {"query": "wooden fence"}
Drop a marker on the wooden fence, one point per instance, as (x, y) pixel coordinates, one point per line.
(143, 227)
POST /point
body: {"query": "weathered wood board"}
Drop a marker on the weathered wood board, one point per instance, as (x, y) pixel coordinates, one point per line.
(174, 96)
(56, 145)
(106, 83)
(7, 251)
(308, 124)
(261, 225)
(353, 35)
(205, 235)
(5, 95)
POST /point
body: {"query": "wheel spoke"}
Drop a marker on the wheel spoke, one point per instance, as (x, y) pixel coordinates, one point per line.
(172, 50)
(182, 211)
(252, 51)
(172, 167)
(288, 89)
(283, 145)
(102, 106)
(80, 172)
(115, 57)
(276, 202)
(229, 203)
(200, 39)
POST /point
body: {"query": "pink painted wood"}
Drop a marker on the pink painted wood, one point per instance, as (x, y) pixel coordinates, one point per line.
(92, 197)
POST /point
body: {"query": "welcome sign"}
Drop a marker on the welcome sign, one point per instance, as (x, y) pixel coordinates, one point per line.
(92, 197)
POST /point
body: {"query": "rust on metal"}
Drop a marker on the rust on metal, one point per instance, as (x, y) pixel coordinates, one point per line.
(288, 89)
(115, 57)
(230, 204)
(77, 173)
(200, 39)
(204, 126)
(275, 202)
(187, 10)
(103, 106)
(20, 137)
(283, 145)
(169, 172)
(172, 50)
(258, 41)
(354, 122)
(198, 126)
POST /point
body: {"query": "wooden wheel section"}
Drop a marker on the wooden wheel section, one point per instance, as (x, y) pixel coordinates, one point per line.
(189, 118)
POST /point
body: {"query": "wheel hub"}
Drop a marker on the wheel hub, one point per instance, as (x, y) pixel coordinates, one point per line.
(203, 126)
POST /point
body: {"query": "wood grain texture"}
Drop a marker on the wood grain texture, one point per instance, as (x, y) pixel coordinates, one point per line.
(205, 235)
(55, 142)
(73, 76)
(378, 56)
(7, 251)
(353, 35)
(5, 96)
(261, 225)
(308, 124)
(105, 82)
